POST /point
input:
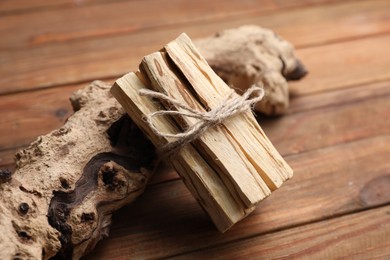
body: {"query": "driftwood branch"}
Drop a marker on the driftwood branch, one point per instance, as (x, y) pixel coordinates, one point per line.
(251, 55)
(66, 185)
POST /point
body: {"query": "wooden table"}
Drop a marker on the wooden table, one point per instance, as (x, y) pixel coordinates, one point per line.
(336, 135)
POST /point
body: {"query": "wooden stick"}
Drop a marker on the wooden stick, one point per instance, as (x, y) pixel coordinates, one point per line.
(212, 145)
(211, 91)
(203, 182)
(230, 167)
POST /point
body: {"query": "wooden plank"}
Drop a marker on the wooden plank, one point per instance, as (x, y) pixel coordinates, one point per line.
(343, 65)
(38, 114)
(13, 113)
(364, 235)
(332, 106)
(302, 132)
(338, 97)
(54, 64)
(24, 116)
(91, 20)
(329, 126)
(321, 178)
(12, 6)
(321, 25)
(7, 158)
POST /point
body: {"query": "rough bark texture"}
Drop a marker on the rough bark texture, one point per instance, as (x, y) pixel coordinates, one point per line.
(251, 55)
(67, 183)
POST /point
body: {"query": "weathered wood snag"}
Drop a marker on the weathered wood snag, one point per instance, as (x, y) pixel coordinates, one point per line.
(250, 55)
(66, 184)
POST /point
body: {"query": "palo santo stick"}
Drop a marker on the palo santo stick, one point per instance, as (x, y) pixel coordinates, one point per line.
(229, 167)
(244, 129)
(227, 159)
(199, 177)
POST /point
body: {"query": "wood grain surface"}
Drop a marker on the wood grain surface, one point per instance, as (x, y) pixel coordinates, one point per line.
(92, 21)
(102, 57)
(360, 236)
(336, 134)
(27, 6)
(320, 178)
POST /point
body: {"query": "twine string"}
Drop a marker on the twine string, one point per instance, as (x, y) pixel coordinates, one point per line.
(232, 105)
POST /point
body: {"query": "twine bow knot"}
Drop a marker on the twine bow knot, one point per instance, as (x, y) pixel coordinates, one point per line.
(231, 105)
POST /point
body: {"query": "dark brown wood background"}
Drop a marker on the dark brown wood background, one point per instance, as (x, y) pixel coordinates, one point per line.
(336, 135)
